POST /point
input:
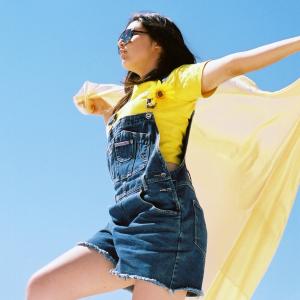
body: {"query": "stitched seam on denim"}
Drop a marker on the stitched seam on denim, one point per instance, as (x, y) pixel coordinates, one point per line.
(119, 178)
(195, 202)
(178, 244)
(127, 193)
(166, 211)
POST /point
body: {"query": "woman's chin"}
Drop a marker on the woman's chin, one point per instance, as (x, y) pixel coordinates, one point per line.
(125, 64)
(123, 61)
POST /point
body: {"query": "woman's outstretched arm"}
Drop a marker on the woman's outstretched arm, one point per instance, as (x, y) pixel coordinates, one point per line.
(221, 69)
(96, 105)
(263, 56)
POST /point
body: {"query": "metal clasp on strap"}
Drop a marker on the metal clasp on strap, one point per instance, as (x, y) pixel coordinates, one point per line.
(148, 115)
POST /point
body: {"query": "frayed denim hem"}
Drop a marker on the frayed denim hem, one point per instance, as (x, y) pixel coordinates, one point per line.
(104, 252)
(191, 292)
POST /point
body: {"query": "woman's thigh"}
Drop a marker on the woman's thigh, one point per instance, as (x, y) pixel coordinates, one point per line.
(77, 273)
(148, 291)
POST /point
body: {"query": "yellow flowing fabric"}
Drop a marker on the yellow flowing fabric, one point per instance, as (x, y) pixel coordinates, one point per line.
(244, 159)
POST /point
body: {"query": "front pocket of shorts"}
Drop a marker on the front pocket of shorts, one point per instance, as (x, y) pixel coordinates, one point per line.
(200, 230)
(143, 197)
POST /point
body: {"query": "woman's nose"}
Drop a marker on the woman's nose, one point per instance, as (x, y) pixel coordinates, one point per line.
(121, 45)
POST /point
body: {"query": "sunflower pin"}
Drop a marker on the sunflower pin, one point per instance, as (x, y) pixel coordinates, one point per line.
(159, 92)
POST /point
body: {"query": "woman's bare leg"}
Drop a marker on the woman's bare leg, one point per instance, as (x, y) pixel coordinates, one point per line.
(145, 290)
(77, 273)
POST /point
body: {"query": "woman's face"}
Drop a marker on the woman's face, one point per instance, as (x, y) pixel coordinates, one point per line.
(141, 53)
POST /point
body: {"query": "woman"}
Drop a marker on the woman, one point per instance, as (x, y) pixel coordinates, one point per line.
(157, 234)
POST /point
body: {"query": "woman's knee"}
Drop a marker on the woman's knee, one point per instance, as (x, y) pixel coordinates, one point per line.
(53, 281)
(39, 287)
(77, 273)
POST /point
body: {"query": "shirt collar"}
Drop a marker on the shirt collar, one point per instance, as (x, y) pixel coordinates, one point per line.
(138, 88)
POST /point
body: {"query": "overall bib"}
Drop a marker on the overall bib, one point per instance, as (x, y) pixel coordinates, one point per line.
(157, 230)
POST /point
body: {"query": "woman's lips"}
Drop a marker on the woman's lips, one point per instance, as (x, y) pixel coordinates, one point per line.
(123, 53)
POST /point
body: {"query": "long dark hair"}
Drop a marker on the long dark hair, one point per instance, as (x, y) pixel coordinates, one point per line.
(163, 31)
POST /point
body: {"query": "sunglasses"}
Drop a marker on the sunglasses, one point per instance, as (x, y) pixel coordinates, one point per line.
(127, 35)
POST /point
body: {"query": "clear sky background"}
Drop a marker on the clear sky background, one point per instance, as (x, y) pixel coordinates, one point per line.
(55, 188)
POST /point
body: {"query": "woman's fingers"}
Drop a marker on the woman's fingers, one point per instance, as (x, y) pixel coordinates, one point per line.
(90, 105)
(96, 105)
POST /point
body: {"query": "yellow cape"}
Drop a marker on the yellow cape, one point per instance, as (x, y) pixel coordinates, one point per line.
(244, 159)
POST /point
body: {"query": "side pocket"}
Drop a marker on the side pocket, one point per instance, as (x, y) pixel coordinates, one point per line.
(156, 206)
(200, 232)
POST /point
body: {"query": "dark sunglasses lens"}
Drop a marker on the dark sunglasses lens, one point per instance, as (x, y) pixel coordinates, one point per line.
(126, 35)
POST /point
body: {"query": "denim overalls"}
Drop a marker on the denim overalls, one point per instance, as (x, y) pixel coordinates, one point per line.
(157, 230)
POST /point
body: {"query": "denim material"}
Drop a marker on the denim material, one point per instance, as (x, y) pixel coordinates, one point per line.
(157, 230)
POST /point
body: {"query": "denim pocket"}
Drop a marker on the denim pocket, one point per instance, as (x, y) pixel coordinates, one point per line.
(124, 149)
(131, 153)
(200, 230)
(154, 206)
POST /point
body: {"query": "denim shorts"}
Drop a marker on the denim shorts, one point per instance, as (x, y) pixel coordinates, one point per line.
(157, 230)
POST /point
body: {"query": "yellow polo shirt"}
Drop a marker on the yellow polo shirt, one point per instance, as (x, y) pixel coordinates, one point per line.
(172, 113)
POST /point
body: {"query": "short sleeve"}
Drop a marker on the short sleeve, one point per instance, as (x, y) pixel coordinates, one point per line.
(187, 80)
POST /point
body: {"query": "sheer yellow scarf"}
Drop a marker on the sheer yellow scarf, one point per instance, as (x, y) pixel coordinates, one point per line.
(244, 158)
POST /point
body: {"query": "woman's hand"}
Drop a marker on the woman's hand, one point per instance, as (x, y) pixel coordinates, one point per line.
(95, 105)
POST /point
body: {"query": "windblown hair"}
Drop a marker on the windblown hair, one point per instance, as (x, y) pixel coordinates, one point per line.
(163, 31)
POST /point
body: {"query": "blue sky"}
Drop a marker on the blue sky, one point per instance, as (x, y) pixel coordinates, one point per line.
(55, 188)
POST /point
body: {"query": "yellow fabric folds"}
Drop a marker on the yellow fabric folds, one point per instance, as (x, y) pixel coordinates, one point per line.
(244, 159)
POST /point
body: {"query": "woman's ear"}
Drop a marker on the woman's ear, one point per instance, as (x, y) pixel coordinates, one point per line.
(157, 47)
